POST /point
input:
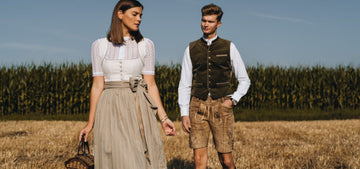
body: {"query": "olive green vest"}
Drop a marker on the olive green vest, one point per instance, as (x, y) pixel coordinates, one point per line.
(211, 68)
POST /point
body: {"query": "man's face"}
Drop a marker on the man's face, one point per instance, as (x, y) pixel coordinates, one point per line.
(209, 24)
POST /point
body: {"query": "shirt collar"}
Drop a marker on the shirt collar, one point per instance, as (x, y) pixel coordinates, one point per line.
(209, 41)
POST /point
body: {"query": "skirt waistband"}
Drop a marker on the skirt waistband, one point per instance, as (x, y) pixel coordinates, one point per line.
(117, 84)
(133, 84)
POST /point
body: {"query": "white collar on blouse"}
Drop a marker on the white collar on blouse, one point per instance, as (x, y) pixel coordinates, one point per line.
(126, 38)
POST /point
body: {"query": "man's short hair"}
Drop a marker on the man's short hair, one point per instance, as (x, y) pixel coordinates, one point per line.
(212, 9)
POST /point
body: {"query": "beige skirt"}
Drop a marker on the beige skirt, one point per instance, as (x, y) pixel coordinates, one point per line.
(126, 132)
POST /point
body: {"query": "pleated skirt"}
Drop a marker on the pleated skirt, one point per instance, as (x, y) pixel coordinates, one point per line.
(118, 141)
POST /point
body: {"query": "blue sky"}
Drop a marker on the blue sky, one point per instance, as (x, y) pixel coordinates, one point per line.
(277, 32)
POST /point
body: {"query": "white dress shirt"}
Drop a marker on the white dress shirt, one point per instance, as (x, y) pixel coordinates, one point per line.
(238, 68)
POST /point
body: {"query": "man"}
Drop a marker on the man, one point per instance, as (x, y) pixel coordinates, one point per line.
(207, 68)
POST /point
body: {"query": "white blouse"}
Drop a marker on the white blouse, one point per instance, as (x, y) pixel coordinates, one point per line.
(122, 61)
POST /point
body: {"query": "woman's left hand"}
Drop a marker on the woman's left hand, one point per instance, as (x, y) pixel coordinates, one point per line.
(168, 127)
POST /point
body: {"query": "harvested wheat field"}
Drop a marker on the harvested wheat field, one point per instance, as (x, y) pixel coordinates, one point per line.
(305, 144)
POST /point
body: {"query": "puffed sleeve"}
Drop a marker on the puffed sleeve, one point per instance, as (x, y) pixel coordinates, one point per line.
(96, 59)
(149, 59)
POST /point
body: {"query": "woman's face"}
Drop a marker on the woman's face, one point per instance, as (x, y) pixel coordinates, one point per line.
(131, 19)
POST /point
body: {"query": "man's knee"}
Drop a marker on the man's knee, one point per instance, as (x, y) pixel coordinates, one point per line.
(200, 155)
(227, 163)
(226, 160)
(200, 158)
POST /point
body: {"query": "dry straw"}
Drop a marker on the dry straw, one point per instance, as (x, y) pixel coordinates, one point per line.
(307, 144)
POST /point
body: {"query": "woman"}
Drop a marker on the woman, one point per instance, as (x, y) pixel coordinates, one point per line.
(124, 96)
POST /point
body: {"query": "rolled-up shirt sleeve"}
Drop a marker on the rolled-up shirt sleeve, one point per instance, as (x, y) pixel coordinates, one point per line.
(184, 91)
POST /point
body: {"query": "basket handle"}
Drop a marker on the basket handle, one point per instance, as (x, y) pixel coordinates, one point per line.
(82, 146)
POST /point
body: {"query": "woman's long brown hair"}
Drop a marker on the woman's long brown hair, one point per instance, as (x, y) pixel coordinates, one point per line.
(115, 34)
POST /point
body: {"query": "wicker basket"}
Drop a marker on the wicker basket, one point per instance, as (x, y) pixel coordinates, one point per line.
(82, 160)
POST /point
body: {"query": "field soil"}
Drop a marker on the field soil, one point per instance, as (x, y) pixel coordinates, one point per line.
(279, 144)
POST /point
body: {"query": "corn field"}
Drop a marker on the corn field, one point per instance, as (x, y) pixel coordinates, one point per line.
(47, 89)
(304, 88)
(65, 89)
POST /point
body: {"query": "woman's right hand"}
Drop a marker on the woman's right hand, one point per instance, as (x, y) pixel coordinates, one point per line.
(85, 131)
(168, 127)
